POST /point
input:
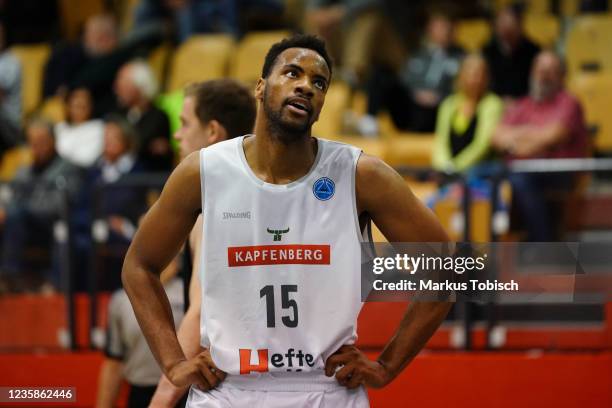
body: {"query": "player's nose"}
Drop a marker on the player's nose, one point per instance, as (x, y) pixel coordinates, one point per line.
(304, 87)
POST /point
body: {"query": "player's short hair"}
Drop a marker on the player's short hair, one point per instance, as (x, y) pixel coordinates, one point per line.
(227, 101)
(310, 42)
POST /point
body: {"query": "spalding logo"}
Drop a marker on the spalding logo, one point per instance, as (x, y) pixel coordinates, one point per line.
(324, 188)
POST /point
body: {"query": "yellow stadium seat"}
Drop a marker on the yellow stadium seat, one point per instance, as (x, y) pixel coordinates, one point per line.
(588, 43)
(158, 59)
(450, 214)
(500, 4)
(410, 149)
(593, 89)
(374, 147)
(336, 102)
(542, 28)
(377, 235)
(53, 109)
(569, 8)
(250, 53)
(33, 59)
(422, 190)
(359, 102)
(472, 34)
(200, 58)
(125, 11)
(294, 13)
(538, 6)
(12, 160)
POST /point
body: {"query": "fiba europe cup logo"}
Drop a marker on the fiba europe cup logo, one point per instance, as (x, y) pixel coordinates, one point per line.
(323, 189)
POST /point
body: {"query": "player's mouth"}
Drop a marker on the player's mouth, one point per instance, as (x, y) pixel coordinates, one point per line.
(300, 106)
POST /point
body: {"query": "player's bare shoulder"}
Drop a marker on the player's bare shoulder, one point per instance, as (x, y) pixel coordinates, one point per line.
(183, 188)
(190, 166)
(372, 171)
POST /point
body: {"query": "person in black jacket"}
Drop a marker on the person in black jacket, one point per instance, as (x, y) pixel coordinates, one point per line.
(510, 55)
(135, 88)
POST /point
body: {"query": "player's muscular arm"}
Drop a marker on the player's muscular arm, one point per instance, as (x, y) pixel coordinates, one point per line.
(401, 217)
(188, 333)
(157, 241)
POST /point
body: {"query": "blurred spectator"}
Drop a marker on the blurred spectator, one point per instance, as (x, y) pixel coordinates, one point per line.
(10, 96)
(100, 38)
(117, 206)
(510, 54)
(94, 63)
(122, 206)
(40, 193)
(466, 119)
(127, 354)
(425, 79)
(548, 123)
(80, 138)
(135, 88)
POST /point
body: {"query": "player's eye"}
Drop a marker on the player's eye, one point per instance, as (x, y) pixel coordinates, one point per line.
(320, 84)
(292, 74)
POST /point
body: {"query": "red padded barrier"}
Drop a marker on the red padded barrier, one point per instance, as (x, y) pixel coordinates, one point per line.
(432, 380)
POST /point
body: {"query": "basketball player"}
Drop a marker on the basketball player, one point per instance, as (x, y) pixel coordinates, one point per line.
(213, 111)
(283, 215)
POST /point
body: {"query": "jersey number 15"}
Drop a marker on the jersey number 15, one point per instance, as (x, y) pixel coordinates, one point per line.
(286, 303)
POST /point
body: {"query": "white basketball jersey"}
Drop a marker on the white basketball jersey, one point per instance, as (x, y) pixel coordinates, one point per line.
(280, 264)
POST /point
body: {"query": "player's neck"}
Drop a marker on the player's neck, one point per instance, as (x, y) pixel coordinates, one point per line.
(277, 162)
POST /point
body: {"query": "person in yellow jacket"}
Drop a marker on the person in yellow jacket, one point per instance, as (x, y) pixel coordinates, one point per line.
(466, 120)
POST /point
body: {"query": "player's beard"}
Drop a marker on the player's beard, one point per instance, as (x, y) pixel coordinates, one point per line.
(285, 131)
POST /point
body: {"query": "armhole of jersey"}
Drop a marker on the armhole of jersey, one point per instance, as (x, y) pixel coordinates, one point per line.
(202, 184)
(366, 234)
(354, 195)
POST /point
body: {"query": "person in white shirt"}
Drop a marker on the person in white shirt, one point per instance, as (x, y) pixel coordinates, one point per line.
(80, 138)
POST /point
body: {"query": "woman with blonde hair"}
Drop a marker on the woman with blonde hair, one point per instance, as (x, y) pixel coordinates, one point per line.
(466, 119)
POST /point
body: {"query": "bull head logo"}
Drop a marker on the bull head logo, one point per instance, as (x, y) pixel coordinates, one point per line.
(277, 233)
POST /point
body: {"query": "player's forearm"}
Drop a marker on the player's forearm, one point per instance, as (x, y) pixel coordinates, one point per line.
(189, 338)
(153, 311)
(418, 325)
(189, 332)
(166, 394)
(109, 383)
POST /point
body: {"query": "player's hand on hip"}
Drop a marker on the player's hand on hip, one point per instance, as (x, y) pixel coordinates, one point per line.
(200, 371)
(356, 369)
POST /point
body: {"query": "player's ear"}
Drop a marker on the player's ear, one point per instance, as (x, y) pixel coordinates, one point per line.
(259, 88)
(216, 132)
